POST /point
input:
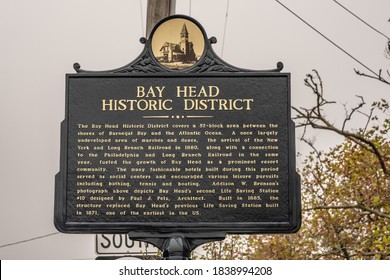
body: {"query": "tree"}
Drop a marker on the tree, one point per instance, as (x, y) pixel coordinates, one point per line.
(345, 192)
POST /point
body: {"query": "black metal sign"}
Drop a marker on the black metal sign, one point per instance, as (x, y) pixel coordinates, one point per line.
(178, 140)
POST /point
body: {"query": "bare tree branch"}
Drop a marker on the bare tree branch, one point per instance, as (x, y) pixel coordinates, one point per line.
(379, 77)
(352, 206)
(349, 116)
(369, 116)
(325, 207)
(311, 144)
(380, 214)
(315, 118)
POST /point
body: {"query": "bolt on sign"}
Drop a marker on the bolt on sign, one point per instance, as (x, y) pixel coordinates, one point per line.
(178, 140)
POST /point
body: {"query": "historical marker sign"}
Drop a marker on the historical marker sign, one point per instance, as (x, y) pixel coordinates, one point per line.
(178, 141)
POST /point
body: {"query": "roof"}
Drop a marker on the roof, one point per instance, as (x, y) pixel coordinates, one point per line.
(184, 30)
(174, 47)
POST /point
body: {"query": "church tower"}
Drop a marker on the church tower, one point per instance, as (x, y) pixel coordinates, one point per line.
(184, 39)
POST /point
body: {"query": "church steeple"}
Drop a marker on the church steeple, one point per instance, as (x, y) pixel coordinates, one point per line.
(184, 31)
(184, 39)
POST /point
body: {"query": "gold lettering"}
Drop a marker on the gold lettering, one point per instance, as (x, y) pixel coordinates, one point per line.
(218, 104)
(141, 105)
(151, 92)
(105, 104)
(193, 92)
(158, 169)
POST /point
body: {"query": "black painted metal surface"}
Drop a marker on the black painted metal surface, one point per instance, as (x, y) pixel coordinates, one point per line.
(269, 92)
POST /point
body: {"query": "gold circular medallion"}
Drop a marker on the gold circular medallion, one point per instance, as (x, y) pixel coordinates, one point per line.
(177, 43)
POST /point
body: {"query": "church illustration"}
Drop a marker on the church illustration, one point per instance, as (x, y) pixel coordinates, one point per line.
(182, 52)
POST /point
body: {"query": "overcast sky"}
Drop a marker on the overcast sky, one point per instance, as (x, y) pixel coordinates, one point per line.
(41, 39)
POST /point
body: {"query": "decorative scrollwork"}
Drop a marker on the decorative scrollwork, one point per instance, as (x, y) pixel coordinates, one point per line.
(145, 64)
(209, 63)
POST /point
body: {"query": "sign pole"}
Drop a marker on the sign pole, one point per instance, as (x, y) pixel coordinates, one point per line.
(156, 11)
(175, 247)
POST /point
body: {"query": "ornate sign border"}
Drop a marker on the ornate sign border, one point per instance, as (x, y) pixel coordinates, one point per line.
(207, 65)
